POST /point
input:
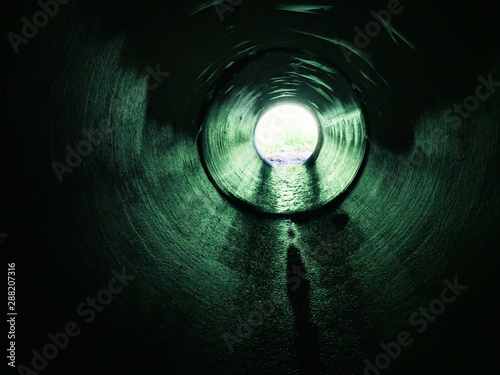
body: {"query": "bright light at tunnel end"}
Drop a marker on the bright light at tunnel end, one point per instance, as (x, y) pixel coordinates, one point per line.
(286, 134)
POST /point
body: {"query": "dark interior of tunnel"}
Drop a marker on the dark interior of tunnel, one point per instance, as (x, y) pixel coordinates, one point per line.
(143, 233)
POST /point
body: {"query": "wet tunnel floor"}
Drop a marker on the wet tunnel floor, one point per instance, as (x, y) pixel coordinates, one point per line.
(305, 333)
(306, 338)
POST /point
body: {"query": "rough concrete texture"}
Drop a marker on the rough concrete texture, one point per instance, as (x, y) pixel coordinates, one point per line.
(322, 289)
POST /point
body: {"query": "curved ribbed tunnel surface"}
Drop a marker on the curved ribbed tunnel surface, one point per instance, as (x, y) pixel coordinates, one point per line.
(228, 150)
(130, 136)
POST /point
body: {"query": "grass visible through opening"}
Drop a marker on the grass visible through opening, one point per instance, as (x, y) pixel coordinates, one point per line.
(286, 135)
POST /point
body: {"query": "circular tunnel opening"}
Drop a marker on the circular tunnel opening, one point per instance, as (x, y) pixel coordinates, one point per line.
(286, 134)
(281, 142)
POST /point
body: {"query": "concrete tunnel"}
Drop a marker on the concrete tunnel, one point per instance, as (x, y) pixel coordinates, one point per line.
(138, 204)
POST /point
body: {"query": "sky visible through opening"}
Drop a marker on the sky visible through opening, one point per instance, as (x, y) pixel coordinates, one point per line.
(286, 135)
